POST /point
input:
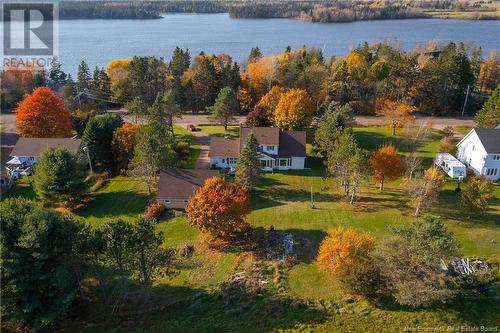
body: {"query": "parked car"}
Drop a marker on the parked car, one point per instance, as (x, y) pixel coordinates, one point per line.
(191, 128)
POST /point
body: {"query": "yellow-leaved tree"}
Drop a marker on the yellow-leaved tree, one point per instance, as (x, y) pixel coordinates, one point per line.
(345, 254)
(294, 110)
(396, 113)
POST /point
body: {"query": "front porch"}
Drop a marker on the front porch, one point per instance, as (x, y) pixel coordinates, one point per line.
(268, 163)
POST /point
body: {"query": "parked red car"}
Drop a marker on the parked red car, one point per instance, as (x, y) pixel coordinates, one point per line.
(191, 128)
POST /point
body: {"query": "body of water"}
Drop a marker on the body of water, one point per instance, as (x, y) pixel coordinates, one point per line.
(100, 41)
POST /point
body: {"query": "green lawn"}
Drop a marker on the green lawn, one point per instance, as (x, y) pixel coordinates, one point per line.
(217, 130)
(195, 149)
(121, 197)
(308, 301)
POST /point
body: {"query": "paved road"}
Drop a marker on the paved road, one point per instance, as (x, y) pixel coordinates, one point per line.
(9, 134)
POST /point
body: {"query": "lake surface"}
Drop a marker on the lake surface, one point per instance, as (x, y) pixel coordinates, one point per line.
(100, 41)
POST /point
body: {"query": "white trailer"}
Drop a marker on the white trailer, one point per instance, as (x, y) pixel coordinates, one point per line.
(451, 166)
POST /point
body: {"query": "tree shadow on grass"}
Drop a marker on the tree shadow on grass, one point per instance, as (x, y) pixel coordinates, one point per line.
(449, 206)
(470, 307)
(184, 309)
(109, 204)
(371, 140)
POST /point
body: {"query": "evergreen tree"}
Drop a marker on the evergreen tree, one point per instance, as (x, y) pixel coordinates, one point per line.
(225, 107)
(40, 78)
(334, 120)
(180, 62)
(41, 263)
(205, 83)
(97, 138)
(154, 149)
(489, 115)
(147, 78)
(83, 77)
(170, 109)
(59, 177)
(56, 75)
(254, 54)
(248, 168)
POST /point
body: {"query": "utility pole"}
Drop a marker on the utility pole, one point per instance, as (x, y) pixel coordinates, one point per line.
(312, 198)
(466, 97)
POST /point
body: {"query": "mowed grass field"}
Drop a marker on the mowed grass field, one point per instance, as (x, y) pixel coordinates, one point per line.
(307, 300)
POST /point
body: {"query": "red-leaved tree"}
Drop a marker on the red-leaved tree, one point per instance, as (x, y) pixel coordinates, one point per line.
(43, 115)
(219, 208)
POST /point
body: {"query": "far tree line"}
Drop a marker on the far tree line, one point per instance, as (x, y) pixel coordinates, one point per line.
(434, 79)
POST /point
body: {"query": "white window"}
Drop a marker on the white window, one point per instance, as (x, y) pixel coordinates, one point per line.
(491, 172)
(473, 146)
(271, 148)
(285, 162)
(231, 160)
(496, 157)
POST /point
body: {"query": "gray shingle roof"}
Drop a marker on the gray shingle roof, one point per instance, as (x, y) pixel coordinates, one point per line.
(292, 144)
(36, 146)
(224, 147)
(264, 135)
(182, 183)
(490, 138)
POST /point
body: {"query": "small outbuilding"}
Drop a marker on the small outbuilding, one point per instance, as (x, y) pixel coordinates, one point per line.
(451, 166)
(176, 186)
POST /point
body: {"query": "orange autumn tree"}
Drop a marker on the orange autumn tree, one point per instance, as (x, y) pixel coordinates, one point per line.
(270, 101)
(43, 115)
(343, 249)
(396, 113)
(123, 144)
(386, 164)
(294, 110)
(219, 208)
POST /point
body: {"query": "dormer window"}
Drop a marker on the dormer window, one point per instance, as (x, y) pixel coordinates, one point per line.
(271, 148)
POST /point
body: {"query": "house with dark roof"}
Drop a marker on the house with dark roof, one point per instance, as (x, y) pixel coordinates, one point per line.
(479, 150)
(27, 150)
(177, 186)
(279, 150)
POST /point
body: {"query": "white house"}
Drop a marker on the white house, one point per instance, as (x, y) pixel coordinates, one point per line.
(279, 150)
(479, 150)
(27, 150)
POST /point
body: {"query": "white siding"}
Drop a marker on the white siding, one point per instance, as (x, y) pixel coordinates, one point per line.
(223, 162)
(492, 163)
(471, 153)
(297, 163)
(269, 149)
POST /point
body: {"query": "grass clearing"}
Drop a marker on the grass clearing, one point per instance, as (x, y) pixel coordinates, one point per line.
(310, 302)
(218, 130)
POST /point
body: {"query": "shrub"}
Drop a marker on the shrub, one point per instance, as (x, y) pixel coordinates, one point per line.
(447, 145)
(155, 211)
(448, 131)
(182, 149)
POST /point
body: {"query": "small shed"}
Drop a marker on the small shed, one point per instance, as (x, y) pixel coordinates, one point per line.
(449, 164)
